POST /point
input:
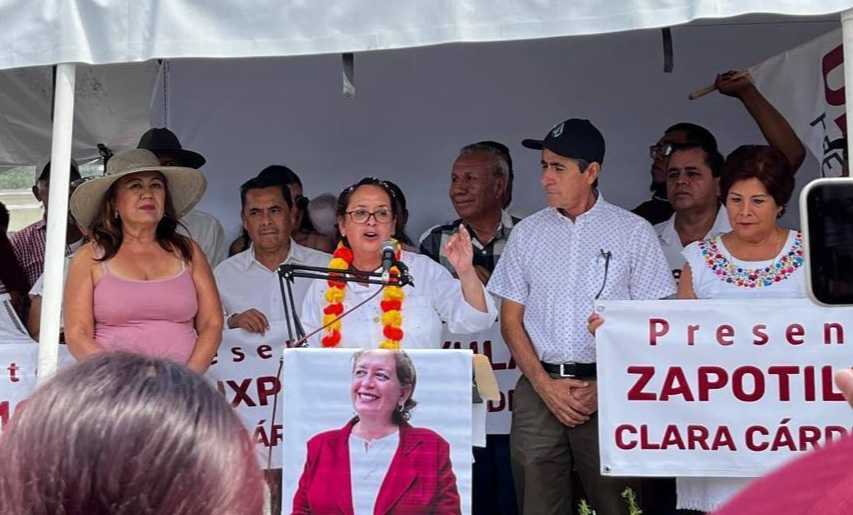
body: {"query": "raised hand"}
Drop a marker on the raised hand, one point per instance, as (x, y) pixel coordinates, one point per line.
(733, 84)
(459, 250)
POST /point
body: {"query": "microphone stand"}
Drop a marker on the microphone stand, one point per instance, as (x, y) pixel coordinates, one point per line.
(287, 273)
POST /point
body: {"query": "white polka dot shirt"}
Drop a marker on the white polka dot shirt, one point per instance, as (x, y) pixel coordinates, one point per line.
(555, 268)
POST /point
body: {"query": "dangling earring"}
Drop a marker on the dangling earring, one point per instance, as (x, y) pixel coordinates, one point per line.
(115, 215)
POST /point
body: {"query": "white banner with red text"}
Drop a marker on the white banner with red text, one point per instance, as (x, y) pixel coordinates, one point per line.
(491, 344)
(806, 85)
(246, 373)
(718, 387)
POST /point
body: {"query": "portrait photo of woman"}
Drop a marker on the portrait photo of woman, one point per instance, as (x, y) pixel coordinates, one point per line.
(379, 461)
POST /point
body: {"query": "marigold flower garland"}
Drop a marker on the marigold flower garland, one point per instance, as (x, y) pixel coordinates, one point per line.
(391, 305)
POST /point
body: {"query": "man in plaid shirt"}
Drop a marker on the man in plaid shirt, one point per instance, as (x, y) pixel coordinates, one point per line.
(478, 184)
(29, 242)
(480, 190)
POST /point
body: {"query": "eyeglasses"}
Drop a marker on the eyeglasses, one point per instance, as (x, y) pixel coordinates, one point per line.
(361, 216)
(661, 150)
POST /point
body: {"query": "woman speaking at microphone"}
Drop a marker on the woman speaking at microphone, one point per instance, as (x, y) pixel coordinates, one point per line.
(407, 316)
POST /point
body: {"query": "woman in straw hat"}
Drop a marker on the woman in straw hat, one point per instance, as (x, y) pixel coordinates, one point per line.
(140, 286)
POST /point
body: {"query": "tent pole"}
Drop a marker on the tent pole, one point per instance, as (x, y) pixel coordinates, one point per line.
(847, 39)
(57, 220)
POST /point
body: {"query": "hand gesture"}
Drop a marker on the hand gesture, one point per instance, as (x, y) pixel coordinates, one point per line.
(251, 320)
(566, 404)
(588, 396)
(844, 381)
(459, 250)
(594, 322)
(729, 85)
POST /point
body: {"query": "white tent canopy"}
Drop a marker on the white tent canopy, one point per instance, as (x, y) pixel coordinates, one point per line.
(80, 31)
(113, 108)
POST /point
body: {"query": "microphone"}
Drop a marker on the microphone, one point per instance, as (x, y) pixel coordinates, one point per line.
(389, 259)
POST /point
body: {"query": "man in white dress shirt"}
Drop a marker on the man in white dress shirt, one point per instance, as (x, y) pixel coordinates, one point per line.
(556, 263)
(248, 282)
(692, 186)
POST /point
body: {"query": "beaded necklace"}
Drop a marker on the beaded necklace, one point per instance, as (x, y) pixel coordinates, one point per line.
(391, 305)
(777, 271)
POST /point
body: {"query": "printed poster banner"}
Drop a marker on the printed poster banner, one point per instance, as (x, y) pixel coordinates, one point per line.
(806, 85)
(718, 387)
(491, 344)
(245, 372)
(331, 465)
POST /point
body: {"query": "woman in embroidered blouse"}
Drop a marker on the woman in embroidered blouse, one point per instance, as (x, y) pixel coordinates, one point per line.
(378, 462)
(757, 259)
(408, 317)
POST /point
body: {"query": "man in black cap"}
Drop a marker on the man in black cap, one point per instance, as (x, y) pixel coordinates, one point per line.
(200, 226)
(557, 262)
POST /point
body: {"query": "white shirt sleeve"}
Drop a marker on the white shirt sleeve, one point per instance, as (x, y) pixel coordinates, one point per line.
(651, 277)
(312, 311)
(509, 277)
(451, 305)
(206, 230)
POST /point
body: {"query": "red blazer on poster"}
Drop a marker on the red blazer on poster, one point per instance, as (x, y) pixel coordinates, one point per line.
(420, 478)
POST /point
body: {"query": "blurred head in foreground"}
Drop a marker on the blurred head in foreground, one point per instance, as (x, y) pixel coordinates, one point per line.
(125, 434)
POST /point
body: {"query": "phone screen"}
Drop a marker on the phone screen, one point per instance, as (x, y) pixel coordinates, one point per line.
(826, 206)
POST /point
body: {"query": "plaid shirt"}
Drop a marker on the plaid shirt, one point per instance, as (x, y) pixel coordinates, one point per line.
(485, 255)
(29, 245)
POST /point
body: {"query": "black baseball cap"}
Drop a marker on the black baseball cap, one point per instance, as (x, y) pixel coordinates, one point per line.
(574, 138)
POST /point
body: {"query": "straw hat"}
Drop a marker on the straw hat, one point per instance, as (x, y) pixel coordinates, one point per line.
(185, 185)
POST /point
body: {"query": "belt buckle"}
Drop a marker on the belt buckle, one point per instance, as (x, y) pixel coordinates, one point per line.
(563, 370)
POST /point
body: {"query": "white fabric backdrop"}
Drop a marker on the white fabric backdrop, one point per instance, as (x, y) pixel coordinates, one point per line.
(415, 108)
(57, 31)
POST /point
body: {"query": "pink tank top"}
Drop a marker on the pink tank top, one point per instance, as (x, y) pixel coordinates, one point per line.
(152, 318)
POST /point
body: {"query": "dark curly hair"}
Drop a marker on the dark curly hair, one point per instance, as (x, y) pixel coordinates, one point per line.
(762, 162)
